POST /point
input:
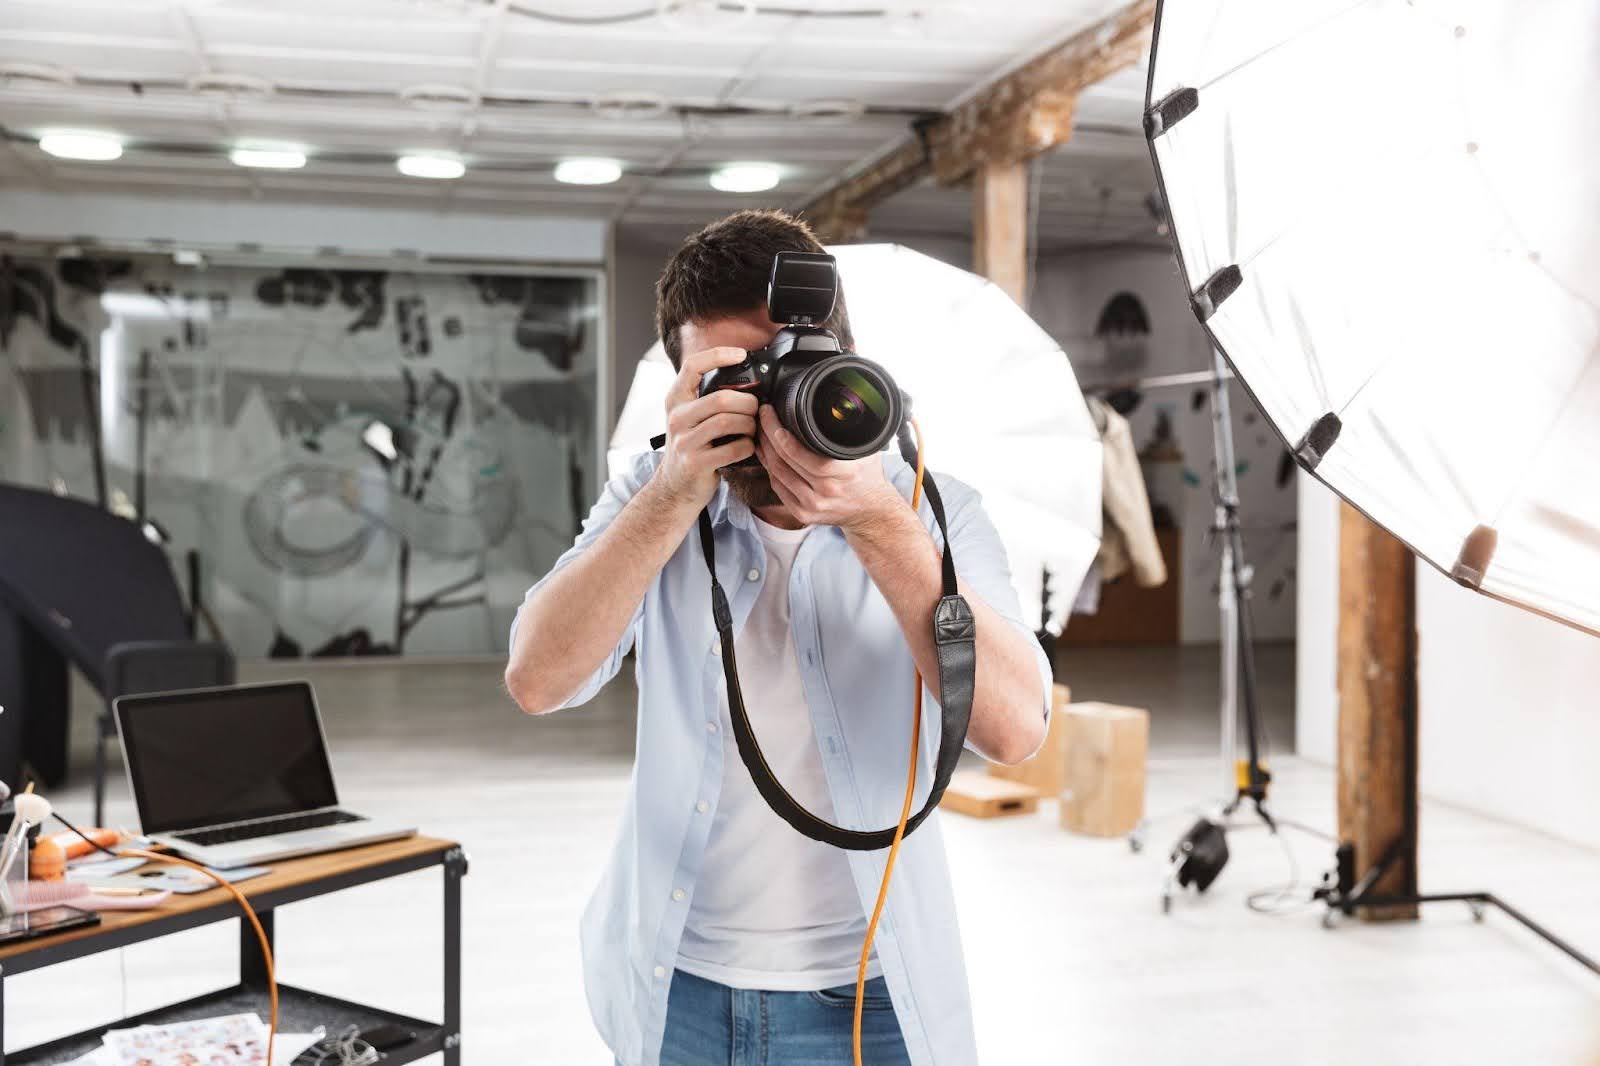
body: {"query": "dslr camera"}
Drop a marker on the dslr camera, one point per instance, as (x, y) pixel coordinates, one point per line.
(839, 404)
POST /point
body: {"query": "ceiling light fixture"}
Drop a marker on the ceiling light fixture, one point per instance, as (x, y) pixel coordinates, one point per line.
(265, 157)
(588, 171)
(745, 177)
(81, 144)
(441, 167)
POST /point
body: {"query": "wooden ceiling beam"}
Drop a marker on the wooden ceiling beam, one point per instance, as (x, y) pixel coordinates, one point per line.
(1020, 115)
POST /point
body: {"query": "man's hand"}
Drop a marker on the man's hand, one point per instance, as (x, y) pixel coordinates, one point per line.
(851, 494)
(688, 471)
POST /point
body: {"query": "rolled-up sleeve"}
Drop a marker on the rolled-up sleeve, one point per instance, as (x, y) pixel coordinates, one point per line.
(982, 566)
(613, 498)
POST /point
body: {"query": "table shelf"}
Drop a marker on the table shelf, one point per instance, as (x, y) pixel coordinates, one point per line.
(299, 1011)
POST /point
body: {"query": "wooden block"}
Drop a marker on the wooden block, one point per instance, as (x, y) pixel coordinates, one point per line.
(974, 793)
(1046, 772)
(1106, 748)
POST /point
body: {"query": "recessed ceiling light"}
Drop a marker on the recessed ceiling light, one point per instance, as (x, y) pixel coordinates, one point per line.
(430, 166)
(588, 171)
(279, 157)
(81, 144)
(745, 177)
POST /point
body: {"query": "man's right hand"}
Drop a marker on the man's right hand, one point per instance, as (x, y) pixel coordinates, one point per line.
(688, 472)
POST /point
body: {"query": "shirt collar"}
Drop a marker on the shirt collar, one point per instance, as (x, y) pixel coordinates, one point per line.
(726, 507)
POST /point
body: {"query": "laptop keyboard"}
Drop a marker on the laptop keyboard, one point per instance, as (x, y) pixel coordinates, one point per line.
(268, 828)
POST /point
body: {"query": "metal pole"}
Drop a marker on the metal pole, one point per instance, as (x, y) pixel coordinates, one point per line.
(455, 868)
(1227, 592)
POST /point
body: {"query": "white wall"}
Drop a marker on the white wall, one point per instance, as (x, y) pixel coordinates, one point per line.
(191, 221)
(1316, 689)
(636, 262)
(1510, 702)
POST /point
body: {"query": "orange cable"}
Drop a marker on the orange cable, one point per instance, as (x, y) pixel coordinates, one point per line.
(249, 912)
(905, 807)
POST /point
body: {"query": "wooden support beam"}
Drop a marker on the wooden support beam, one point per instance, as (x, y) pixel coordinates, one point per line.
(841, 213)
(1020, 115)
(1378, 706)
(1000, 227)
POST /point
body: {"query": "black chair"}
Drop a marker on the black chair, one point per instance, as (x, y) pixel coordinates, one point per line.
(138, 667)
(76, 584)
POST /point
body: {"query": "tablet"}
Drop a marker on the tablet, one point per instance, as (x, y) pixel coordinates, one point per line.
(43, 922)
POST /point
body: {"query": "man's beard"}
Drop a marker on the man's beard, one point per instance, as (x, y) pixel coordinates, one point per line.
(753, 485)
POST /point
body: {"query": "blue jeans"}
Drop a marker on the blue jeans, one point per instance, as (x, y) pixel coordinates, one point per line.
(712, 1025)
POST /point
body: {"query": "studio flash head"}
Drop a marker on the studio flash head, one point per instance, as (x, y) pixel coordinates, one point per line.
(839, 404)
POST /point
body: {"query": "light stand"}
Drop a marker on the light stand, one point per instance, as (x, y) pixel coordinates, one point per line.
(1199, 856)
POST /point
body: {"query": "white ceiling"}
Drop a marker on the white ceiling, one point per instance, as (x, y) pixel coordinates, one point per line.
(330, 74)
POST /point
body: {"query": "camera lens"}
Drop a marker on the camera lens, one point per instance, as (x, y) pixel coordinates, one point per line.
(843, 407)
(848, 408)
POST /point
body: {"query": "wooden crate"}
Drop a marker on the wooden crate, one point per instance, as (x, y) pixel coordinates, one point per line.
(1106, 749)
(1046, 772)
(974, 793)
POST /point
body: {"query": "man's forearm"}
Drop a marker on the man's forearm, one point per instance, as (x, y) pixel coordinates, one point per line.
(569, 627)
(1007, 705)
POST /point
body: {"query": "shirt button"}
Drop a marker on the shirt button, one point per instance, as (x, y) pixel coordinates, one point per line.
(753, 575)
(711, 727)
(677, 895)
(702, 806)
(660, 971)
(716, 647)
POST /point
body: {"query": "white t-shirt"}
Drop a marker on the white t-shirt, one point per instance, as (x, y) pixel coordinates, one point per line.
(773, 910)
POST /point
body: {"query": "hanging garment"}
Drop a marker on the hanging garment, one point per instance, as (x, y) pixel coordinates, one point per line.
(1128, 541)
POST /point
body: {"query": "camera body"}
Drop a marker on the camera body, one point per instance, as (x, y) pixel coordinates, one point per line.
(839, 404)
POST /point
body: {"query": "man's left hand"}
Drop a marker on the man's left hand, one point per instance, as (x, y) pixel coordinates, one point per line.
(848, 493)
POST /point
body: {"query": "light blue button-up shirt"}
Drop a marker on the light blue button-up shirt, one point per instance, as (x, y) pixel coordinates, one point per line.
(859, 676)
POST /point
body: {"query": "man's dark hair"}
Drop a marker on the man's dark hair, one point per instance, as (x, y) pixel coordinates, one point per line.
(723, 270)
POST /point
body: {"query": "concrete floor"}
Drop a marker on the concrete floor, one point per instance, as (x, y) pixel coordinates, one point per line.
(1070, 959)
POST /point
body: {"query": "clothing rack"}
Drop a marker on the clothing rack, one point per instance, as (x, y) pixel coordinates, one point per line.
(1159, 381)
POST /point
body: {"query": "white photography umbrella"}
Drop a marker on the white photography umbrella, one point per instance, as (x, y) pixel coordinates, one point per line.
(1388, 215)
(994, 395)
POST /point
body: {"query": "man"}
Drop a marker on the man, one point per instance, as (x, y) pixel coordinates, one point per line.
(718, 933)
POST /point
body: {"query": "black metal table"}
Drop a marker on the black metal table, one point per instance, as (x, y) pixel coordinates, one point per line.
(299, 1010)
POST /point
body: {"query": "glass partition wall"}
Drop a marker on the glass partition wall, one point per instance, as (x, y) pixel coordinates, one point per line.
(355, 461)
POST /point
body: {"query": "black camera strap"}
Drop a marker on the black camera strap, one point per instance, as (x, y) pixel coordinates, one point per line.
(954, 634)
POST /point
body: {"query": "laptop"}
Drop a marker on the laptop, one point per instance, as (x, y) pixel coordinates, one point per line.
(238, 775)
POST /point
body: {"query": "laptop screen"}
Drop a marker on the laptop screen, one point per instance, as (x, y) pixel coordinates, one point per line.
(224, 755)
